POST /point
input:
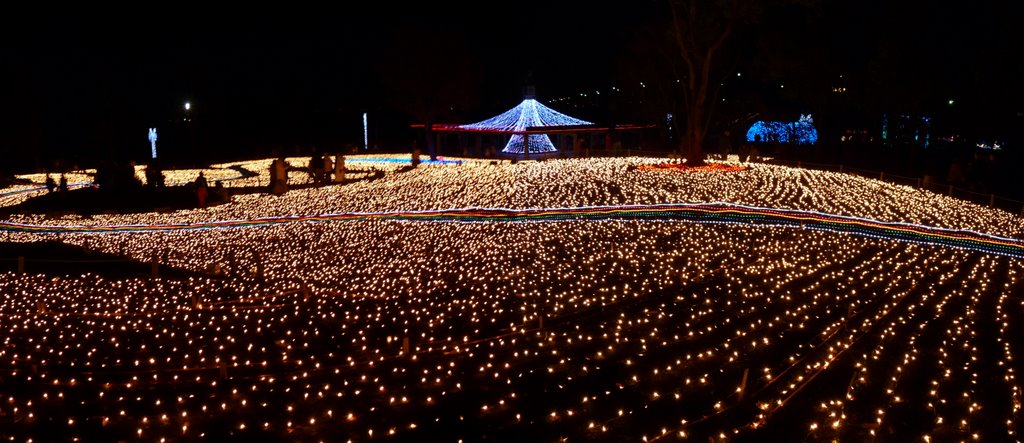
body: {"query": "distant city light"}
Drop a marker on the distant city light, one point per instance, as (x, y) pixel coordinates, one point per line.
(951, 102)
(188, 106)
(885, 127)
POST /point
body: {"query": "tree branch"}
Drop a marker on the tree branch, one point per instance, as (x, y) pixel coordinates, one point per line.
(717, 93)
(706, 72)
(684, 49)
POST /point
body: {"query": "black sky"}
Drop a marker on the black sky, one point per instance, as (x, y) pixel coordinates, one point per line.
(92, 82)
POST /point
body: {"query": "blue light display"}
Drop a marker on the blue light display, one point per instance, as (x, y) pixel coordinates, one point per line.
(800, 132)
(439, 161)
(152, 141)
(529, 113)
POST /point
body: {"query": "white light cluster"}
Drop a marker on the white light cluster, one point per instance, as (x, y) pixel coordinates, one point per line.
(529, 113)
(152, 141)
(571, 183)
(648, 327)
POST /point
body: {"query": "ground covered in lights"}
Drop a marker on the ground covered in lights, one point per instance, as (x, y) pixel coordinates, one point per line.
(581, 329)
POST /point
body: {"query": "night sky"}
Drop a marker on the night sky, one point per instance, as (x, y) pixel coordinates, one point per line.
(88, 85)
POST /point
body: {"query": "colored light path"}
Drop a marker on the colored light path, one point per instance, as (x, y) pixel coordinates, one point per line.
(41, 188)
(726, 213)
(38, 189)
(406, 160)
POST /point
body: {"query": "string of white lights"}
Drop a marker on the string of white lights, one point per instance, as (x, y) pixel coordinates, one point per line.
(529, 113)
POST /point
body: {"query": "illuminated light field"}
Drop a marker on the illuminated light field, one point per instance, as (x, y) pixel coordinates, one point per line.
(649, 322)
(593, 182)
(18, 193)
(682, 167)
(701, 213)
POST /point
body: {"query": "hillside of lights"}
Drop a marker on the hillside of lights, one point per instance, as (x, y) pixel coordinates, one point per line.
(601, 329)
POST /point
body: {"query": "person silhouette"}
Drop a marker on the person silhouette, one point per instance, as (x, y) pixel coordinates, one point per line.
(201, 190)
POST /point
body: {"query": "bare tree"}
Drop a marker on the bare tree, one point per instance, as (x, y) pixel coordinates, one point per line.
(700, 33)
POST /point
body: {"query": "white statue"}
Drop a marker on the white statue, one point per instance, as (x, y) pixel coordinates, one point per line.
(152, 140)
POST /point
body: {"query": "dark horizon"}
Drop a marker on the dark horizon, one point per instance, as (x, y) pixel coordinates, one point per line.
(90, 87)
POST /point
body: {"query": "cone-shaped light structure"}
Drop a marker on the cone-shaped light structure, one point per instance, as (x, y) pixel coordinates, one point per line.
(529, 114)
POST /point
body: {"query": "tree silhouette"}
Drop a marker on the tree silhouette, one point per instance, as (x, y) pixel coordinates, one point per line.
(700, 32)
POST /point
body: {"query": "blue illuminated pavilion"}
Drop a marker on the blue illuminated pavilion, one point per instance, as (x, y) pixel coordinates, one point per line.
(528, 123)
(518, 121)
